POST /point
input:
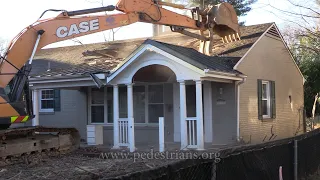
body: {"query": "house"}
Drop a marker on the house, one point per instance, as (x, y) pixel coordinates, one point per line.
(248, 91)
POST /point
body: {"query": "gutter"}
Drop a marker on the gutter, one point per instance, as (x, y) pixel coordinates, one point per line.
(238, 107)
(224, 75)
(96, 78)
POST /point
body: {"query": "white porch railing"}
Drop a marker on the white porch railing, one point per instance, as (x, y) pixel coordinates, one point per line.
(161, 134)
(192, 131)
(123, 132)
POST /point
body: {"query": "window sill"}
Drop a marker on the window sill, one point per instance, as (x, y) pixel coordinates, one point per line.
(46, 110)
(267, 119)
(46, 113)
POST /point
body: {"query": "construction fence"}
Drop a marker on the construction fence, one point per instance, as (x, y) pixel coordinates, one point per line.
(250, 162)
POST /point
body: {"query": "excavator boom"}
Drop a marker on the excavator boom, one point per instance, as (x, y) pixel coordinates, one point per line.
(15, 66)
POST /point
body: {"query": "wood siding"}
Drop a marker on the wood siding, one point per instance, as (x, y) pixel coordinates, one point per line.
(270, 60)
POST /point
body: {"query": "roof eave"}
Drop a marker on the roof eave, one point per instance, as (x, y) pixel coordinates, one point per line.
(224, 75)
(65, 78)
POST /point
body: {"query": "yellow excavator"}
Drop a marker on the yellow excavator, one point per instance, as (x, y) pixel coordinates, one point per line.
(16, 64)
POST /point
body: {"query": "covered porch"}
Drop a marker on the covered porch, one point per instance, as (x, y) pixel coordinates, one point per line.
(199, 109)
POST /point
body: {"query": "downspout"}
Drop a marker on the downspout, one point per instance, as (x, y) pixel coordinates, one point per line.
(97, 81)
(238, 107)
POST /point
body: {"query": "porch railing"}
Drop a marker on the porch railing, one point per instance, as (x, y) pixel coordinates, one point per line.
(192, 132)
(123, 132)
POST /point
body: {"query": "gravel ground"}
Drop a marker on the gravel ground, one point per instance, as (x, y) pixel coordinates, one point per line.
(81, 164)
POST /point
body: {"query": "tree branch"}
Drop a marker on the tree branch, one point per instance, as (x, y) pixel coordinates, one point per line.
(294, 13)
(316, 51)
(298, 5)
(77, 41)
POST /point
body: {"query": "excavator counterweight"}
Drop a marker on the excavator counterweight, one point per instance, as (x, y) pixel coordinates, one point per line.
(15, 66)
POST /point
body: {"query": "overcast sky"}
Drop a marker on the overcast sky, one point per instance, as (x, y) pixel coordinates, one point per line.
(17, 14)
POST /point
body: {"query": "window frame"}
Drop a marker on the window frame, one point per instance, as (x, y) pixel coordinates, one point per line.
(40, 101)
(105, 116)
(147, 102)
(268, 99)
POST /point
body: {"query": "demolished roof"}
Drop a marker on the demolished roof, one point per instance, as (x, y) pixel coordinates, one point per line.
(105, 57)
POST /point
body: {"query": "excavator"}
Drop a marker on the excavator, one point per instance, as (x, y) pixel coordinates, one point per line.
(16, 63)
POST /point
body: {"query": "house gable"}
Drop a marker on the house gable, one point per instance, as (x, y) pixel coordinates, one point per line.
(272, 32)
(151, 55)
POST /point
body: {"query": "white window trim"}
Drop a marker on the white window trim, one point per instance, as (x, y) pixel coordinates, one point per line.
(105, 121)
(40, 105)
(267, 83)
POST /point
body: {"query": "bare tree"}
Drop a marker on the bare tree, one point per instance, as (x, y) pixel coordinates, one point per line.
(112, 32)
(302, 22)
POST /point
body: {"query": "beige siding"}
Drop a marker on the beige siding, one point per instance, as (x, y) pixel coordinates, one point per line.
(270, 60)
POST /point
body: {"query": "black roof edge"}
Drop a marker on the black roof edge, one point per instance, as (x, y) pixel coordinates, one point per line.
(190, 61)
(175, 53)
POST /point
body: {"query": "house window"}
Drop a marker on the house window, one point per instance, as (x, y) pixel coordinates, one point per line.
(156, 103)
(139, 107)
(266, 99)
(97, 105)
(46, 100)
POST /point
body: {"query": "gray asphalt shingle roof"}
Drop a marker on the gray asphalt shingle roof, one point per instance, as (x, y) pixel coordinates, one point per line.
(195, 58)
(105, 57)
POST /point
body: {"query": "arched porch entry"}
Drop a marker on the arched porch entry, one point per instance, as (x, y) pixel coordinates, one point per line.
(153, 98)
(152, 91)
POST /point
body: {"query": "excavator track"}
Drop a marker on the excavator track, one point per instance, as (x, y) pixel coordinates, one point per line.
(28, 142)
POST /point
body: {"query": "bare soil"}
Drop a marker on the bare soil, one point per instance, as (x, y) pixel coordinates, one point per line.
(81, 164)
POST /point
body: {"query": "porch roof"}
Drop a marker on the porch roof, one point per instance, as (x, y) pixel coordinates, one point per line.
(106, 57)
(197, 59)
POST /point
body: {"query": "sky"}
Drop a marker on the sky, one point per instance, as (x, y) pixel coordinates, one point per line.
(17, 14)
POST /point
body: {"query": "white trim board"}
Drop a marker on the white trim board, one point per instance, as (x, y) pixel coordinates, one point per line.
(157, 50)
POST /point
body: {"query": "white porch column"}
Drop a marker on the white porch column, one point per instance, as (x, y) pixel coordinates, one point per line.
(35, 95)
(130, 118)
(183, 115)
(207, 111)
(115, 116)
(199, 108)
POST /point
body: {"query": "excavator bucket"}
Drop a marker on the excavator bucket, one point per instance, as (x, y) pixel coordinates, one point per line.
(222, 20)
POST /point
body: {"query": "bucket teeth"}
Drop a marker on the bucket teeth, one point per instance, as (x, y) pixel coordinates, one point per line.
(230, 38)
(226, 38)
(238, 36)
